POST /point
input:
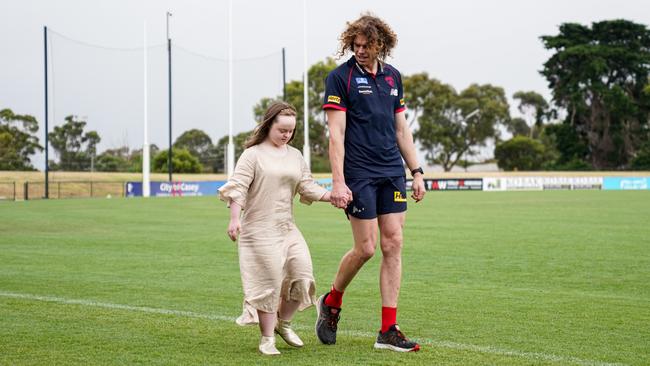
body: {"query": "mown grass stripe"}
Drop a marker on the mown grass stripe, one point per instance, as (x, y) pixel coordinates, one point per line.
(444, 344)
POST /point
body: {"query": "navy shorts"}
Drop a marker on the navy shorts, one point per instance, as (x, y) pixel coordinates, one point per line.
(376, 196)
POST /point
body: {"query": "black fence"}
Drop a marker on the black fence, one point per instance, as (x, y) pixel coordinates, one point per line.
(73, 189)
(8, 191)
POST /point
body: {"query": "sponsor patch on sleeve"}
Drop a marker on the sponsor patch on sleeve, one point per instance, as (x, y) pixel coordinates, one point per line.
(333, 99)
(401, 102)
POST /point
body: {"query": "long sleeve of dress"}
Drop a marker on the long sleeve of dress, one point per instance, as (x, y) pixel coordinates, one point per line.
(308, 189)
(236, 189)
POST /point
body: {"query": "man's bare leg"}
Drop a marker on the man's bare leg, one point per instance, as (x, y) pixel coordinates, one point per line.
(364, 233)
(390, 228)
(329, 305)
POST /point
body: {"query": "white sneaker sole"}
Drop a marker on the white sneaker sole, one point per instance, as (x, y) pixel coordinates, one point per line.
(393, 348)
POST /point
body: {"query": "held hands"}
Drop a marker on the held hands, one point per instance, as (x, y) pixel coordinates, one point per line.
(234, 227)
(418, 188)
(341, 195)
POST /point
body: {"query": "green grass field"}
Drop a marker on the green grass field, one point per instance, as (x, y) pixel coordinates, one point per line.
(515, 278)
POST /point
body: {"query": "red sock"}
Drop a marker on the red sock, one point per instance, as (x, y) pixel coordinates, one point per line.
(335, 298)
(388, 318)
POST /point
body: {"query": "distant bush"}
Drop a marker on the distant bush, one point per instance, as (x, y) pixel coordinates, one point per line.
(110, 163)
(642, 160)
(575, 164)
(571, 149)
(182, 162)
(520, 153)
(320, 164)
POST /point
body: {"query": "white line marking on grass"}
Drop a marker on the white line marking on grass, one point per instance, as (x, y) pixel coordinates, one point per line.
(443, 344)
(143, 309)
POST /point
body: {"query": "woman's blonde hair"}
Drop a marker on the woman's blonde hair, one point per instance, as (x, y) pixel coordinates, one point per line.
(381, 38)
(260, 132)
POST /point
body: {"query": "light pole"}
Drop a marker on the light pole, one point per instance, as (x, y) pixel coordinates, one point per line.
(306, 151)
(47, 144)
(230, 156)
(145, 143)
(169, 62)
(284, 76)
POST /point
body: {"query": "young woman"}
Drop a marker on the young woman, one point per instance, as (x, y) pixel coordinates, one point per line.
(274, 259)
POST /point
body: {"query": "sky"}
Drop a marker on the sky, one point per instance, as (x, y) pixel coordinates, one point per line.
(96, 54)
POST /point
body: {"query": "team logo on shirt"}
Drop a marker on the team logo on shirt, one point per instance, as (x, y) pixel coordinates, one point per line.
(399, 197)
(393, 92)
(390, 81)
(333, 99)
(361, 80)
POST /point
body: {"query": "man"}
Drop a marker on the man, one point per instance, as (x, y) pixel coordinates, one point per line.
(369, 136)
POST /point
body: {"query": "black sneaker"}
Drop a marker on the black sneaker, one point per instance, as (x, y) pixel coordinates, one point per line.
(327, 321)
(394, 340)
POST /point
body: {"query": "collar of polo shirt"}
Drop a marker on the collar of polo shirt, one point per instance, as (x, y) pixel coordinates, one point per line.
(380, 68)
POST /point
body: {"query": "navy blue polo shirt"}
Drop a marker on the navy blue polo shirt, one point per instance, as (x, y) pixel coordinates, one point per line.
(370, 102)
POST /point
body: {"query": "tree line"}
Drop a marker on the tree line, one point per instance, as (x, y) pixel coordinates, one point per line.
(597, 118)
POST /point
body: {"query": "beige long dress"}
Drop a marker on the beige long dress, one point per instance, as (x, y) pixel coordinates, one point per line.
(274, 259)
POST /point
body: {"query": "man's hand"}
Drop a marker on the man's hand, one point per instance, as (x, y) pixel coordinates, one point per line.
(341, 195)
(418, 188)
(233, 229)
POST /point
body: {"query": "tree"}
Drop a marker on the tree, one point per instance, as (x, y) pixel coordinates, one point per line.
(182, 161)
(519, 127)
(219, 150)
(75, 148)
(452, 125)
(114, 160)
(419, 90)
(135, 165)
(642, 160)
(199, 144)
(17, 140)
(317, 74)
(318, 138)
(572, 149)
(534, 108)
(600, 76)
(520, 153)
(110, 163)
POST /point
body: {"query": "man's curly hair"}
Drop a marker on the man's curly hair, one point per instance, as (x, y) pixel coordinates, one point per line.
(381, 38)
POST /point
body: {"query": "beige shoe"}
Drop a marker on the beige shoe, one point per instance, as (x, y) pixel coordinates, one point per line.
(267, 346)
(283, 328)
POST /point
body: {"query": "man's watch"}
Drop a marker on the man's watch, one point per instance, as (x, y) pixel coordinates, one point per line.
(417, 170)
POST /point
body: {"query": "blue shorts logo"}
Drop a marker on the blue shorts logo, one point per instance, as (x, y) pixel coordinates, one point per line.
(361, 80)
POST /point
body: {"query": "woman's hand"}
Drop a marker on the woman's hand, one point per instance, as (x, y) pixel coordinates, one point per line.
(327, 197)
(234, 227)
